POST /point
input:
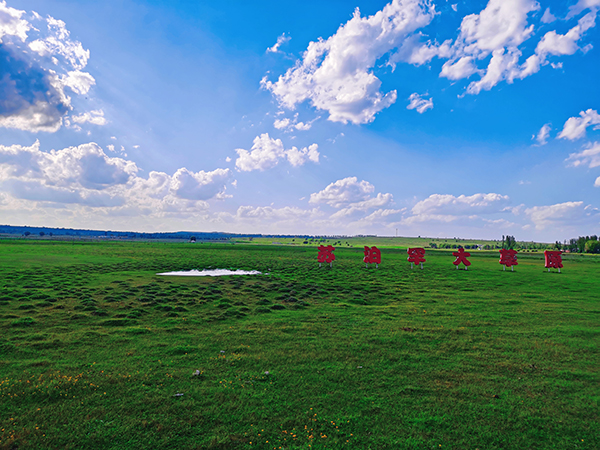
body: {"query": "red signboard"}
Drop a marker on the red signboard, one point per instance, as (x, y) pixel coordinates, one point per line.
(372, 255)
(326, 254)
(416, 256)
(553, 259)
(508, 258)
(461, 257)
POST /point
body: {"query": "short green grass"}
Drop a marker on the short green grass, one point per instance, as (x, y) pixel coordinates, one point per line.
(95, 350)
(358, 241)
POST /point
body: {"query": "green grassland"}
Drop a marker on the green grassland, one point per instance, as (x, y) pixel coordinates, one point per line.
(359, 241)
(95, 349)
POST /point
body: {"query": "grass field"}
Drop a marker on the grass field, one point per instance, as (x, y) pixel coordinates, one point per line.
(357, 241)
(95, 350)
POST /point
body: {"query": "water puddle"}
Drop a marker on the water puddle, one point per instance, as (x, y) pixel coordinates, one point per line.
(210, 273)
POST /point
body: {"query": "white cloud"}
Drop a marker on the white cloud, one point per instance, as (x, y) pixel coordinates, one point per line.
(582, 5)
(80, 82)
(548, 17)
(449, 205)
(301, 126)
(280, 41)
(11, 23)
(200, 185)
(418, 103)
(84, 166)
(281, 124)
(456, 70)
(499, 30)
(542, 136)
(590, 156)
(268, 213)
(93, 117)
(57, 43)
(86, 176)
(575, 127)
(359, 207)
(343, 192)
(503, 23)
(299, 157)
(565, 44)
(560, 215)
(36, 72)
(597, 183)
(336, 75)
(293, 124)
(266, 153)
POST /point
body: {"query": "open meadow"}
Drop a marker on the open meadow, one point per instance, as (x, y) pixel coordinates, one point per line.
(97, 351)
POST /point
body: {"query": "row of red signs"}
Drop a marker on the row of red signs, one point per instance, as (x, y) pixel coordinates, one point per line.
(508, 258)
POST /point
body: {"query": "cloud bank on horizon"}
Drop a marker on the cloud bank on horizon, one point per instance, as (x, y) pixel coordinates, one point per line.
(322, 145)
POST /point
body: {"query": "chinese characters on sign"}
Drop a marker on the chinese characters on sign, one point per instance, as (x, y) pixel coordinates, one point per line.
(461, 257)
(553, 259)
(508, 258)
(372, 256)
(416, 256)
(326, 255)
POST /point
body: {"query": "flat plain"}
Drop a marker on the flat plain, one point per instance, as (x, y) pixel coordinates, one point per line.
(97, 351)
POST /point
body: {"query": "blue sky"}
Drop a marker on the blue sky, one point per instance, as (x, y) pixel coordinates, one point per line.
(469, 119)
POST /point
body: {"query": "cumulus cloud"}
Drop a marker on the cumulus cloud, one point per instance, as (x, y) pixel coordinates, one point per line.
(560, 214)
(575, 127)
(499, 30)
(40, 61)
(335, 75)
(280, 41)
(377, 202)
(356, 207)
(268, 213)
(447, 204)
(80, 82)
(544, 133)
(581, 6)
(418, 103)
(201, 185)
(281, 124)
(548, 17)
(565, 44)
(11, 23)
(299, 157)
(293, 124)
(266, 153)
(93, 117)
(448, 208)
(590, 156)
(85, 175)
(84, 166)
(343, 192)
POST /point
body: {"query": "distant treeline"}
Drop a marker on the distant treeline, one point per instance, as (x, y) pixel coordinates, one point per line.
(507, 242)
(582, 244)
(185, 235)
